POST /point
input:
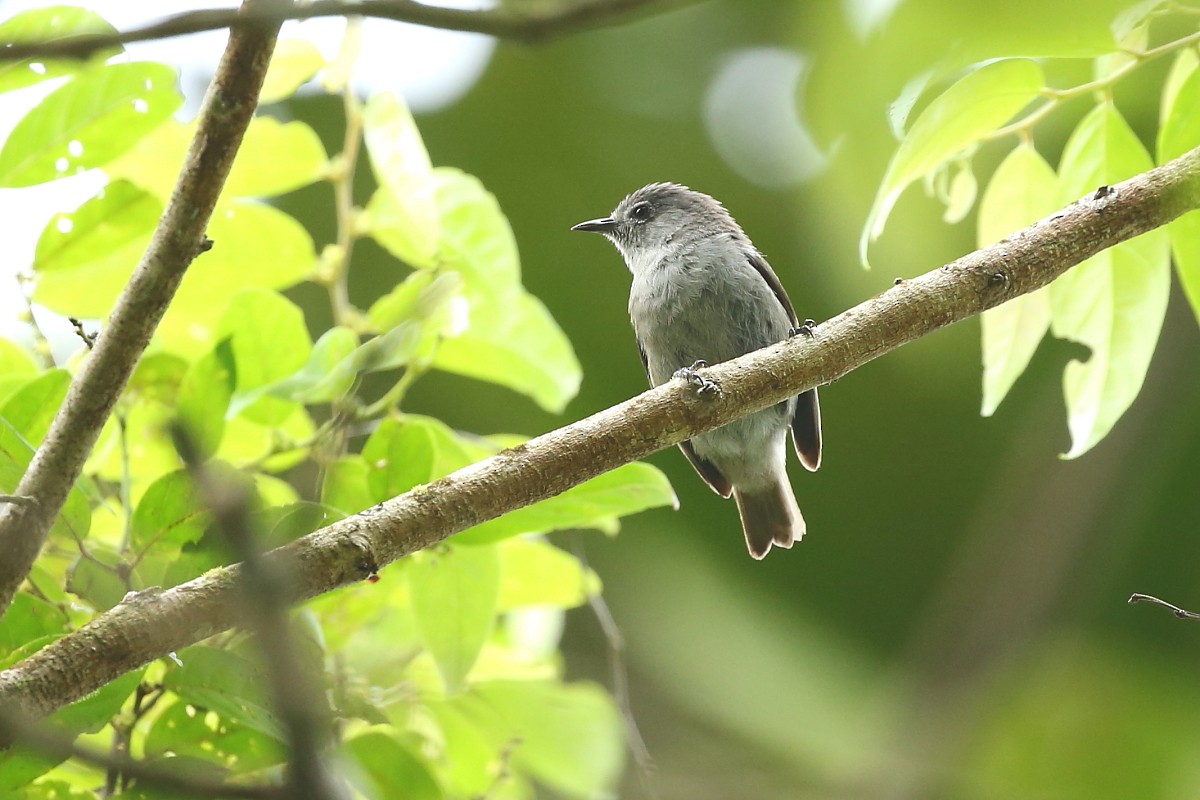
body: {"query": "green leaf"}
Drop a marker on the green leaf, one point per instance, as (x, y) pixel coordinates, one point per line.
(29, 618)
(204, 396)
(84, 257)
(961, 116)
(275, 157)
(1184, 234)
(293, 63)
(476, 239)
(453, 594)
(592, 504)
(267, 333)
(345, 486)
(1182, 68)
(1180, 128)
(16, 368)
(320, 379)
(98, 577)
(169, 515)
(1113, 303)
(89, 715)
(536, 573)
(182, 731)
(410, 450)
(388, 769)
(256, 247)
(961, 195)
(421, 297)
(16, 451)
(468, 759)
(87, 122)
(31, 409)
(1023, 189)
(521, 348)
(46, 25)
(225, 682)
(570, 737)
(405, 209)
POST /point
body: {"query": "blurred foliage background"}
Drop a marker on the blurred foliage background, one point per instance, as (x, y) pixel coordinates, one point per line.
(954, 624)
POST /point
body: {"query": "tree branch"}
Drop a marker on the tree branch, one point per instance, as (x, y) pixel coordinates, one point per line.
(501, 22)
(134, 633)
(179, 237)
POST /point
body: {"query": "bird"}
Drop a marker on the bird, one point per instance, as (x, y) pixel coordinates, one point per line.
(701, 293)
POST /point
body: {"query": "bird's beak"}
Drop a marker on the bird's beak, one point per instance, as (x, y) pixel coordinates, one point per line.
(602, 225)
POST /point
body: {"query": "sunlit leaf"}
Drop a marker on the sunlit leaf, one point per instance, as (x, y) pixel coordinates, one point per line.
(962, 115)
(320, 379)
(420, 297)
(454, 594)
(255, 246)
(275, 157)
(405, 206)
(595, 503)
(476, 239)
(570, 736)
(87, 122)
(180, 730)
(388, 769)
(293, 63)
(406, 451)
(16, 367)
(345, 485)
(31, 409)
(204, 396)
(536, 573)
(29, 618)
(1113, 303)
(225, 682)
(1023, 189)
(46, 25)
(84, 257)
(169, 516)
(521, 348)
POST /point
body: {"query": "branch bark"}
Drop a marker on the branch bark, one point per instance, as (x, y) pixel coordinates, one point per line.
(179, 238)
(156, 623)
(502, 22)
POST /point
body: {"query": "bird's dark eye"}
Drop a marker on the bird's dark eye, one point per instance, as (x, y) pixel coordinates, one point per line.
(641, 211)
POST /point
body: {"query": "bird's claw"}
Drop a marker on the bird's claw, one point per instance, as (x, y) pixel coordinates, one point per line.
(806, 329)
(703, 385)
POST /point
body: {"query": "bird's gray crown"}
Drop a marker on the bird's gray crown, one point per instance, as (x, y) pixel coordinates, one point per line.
(663, 217)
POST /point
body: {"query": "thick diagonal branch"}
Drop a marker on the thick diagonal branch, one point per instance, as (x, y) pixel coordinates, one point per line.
(179, 237)
(134, 633)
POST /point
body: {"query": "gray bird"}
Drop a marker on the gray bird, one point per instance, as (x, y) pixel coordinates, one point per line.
(702, 293)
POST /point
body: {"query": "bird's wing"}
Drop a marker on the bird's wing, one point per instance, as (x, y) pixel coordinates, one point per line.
(806, 421)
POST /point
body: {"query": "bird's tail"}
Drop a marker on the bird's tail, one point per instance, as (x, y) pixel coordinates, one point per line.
(769, 516)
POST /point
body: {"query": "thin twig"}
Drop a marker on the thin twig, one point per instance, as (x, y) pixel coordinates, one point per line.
(1176, 610)
(19, 500)
(89, 339)
(615, 643)
(359, 545)
(548, 21)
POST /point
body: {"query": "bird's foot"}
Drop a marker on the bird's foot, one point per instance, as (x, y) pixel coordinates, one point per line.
(703, 385)
(807, 329)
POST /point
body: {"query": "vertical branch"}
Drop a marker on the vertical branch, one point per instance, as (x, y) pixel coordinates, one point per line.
(228, 107)
(264, 589)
